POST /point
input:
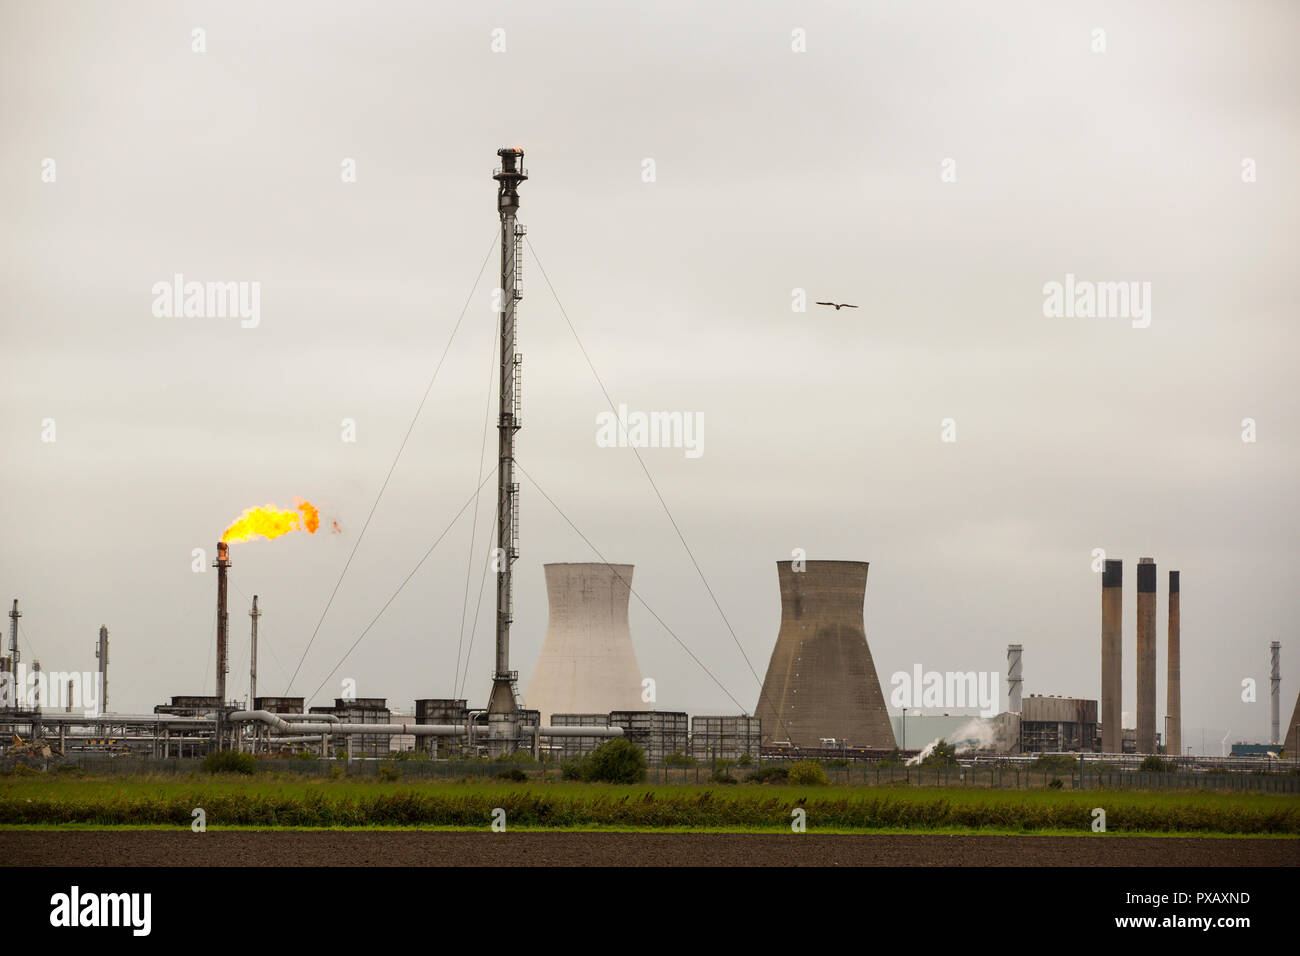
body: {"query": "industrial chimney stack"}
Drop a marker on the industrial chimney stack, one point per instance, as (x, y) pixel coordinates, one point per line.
(1174, 680)
(1275, 691)
(1146, 656)
(223, 634)
(1112, 657)
(1015, 680)
(252, 657)
(101, 655)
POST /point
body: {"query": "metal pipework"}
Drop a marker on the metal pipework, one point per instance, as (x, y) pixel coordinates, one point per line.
(573, 731)
(103, 718)
(277, 722)
(1112, 656)
(313, 739)
(316, 718)
(527, 731)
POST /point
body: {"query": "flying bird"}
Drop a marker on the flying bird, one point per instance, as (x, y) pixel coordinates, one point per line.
(839, 305)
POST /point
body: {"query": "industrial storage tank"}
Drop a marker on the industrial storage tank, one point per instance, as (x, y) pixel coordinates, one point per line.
(821, 682)
(587, 664)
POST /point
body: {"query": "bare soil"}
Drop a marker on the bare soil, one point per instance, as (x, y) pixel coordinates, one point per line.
(433, 848)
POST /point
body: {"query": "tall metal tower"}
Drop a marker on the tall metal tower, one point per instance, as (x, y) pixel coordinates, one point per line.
(14, 656)
(503, 705)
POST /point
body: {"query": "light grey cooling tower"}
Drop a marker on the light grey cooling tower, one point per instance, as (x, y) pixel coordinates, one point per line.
(587, 664)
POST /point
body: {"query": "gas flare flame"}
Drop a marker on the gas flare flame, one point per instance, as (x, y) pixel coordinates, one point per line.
(272, 522)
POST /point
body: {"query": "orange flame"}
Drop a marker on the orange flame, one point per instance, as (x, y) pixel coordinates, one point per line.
(272, 522)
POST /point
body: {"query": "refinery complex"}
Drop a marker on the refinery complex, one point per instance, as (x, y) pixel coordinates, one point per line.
(821, 694)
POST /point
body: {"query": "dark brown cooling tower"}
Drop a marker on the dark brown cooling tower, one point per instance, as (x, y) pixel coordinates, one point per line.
(1292, 744)
(821, 681)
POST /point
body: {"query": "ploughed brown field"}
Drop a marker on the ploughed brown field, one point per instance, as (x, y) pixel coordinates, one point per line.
(433, 848)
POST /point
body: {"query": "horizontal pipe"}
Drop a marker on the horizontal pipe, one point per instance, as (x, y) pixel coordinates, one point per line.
(278, 722)
(411, 730)
(314, 718)
(314, 739)
(575, 731)
(63, 717)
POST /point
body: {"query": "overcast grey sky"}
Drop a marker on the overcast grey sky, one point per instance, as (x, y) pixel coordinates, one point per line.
(775, 170)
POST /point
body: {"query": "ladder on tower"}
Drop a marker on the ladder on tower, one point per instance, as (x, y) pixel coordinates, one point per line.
(520, 232)
(514, 521)
(517, 391)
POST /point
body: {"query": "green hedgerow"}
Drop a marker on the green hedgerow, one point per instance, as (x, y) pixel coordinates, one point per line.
(1154, 764)
(616, 761)
(769, 774)
(1059, 763)
(229, 761)
(807, 773)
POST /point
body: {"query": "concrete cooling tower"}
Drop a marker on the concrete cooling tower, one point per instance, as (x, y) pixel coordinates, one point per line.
(1292, 744)
(587, 664)
(821, 681)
